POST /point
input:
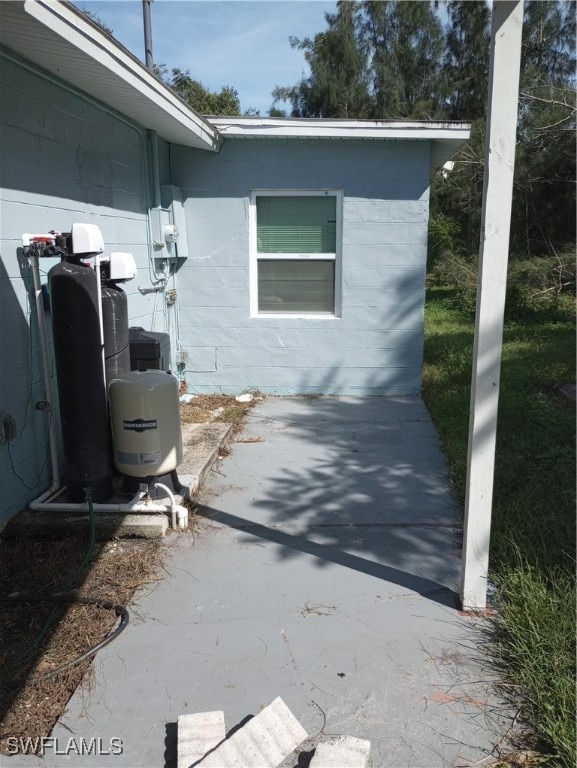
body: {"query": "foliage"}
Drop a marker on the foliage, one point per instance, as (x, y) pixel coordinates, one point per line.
(544, 200)
(97, 20)
(337, 86)
(374, 60)
(533, 531)
(533, 643)
(542, 287)
(223, 102)
(379, 60)
(543, 219)
(403, 43)
(466, 61)
(443, 239)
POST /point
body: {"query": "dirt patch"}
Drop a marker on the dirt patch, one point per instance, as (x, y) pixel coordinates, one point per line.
(40, 637)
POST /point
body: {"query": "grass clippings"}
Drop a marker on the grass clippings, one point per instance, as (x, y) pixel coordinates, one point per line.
(39, 638)
(218, 408)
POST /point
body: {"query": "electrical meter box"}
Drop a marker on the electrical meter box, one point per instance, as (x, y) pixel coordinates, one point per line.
(149, 350)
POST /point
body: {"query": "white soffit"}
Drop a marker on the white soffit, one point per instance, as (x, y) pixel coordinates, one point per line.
(60, 39)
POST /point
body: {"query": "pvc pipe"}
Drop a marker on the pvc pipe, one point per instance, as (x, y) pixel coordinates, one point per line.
(47, 495)
(83, 507)
(170, 495)
(34, 263)
(179, 514)
(177, 511)
(100, 316)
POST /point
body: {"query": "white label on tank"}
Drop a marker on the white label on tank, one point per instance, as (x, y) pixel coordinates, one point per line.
(150, 457)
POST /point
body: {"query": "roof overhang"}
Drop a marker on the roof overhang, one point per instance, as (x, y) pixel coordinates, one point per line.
(445, 137)
(60, 39)
(63, 41)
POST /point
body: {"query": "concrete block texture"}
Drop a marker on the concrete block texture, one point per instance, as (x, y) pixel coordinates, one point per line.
(379, 279)
(264, 742)
(342, 752)
(197, 735)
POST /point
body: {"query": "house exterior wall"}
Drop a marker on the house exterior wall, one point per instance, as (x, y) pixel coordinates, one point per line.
(63, 160)
(375, 346)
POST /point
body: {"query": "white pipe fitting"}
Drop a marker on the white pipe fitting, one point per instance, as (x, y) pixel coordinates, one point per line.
(178, 513)
(46, 374)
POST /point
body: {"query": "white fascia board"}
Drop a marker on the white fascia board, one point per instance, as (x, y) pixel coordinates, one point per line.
(283, 128)
(154, 105)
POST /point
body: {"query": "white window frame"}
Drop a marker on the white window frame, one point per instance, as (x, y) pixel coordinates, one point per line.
(335, 257)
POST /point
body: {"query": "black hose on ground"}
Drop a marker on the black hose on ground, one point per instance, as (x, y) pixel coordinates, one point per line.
(62, 597)
(120, 610)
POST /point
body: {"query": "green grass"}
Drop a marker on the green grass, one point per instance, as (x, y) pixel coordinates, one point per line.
(533, 530)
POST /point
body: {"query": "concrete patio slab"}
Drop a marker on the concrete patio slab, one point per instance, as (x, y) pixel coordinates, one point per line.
(342, 752)
(323, 571)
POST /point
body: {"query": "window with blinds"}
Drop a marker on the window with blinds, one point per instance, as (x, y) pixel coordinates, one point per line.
(296, 248)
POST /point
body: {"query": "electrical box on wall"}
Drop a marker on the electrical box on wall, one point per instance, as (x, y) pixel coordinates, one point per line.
(172, 200)
(159, 219)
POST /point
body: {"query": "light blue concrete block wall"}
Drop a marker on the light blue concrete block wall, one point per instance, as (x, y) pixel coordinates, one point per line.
(63, 160)
(375, 347)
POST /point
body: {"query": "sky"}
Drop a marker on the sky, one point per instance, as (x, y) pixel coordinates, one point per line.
(241, 43)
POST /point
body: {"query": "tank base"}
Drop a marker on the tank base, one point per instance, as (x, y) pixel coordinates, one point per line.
(132, 484)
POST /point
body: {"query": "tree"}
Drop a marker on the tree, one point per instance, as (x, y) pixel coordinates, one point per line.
(375, 59)
(466, 60)
(543, 219)
(458, 196)
(336, 86)
(224, 102)
(394, 60)
(403, 42)
(544, 199)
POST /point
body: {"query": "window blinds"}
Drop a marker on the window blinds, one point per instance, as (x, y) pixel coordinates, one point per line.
(296, 224)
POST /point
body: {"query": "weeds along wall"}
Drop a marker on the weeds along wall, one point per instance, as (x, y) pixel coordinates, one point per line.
(64, 159)
(373, 344)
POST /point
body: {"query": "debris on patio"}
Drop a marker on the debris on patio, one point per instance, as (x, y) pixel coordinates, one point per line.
(263, 741)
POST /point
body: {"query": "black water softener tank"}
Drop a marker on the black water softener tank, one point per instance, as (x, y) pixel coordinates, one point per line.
(81, 387)
(115, 325)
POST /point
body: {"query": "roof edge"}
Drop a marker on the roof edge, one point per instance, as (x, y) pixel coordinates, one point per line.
(257, 127)
(68, 22)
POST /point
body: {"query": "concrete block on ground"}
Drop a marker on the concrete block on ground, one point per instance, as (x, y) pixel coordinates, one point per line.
(197, 735)
(264, 742)
(342, 752)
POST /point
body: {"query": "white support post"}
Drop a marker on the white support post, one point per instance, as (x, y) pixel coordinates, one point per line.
(495, 227)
